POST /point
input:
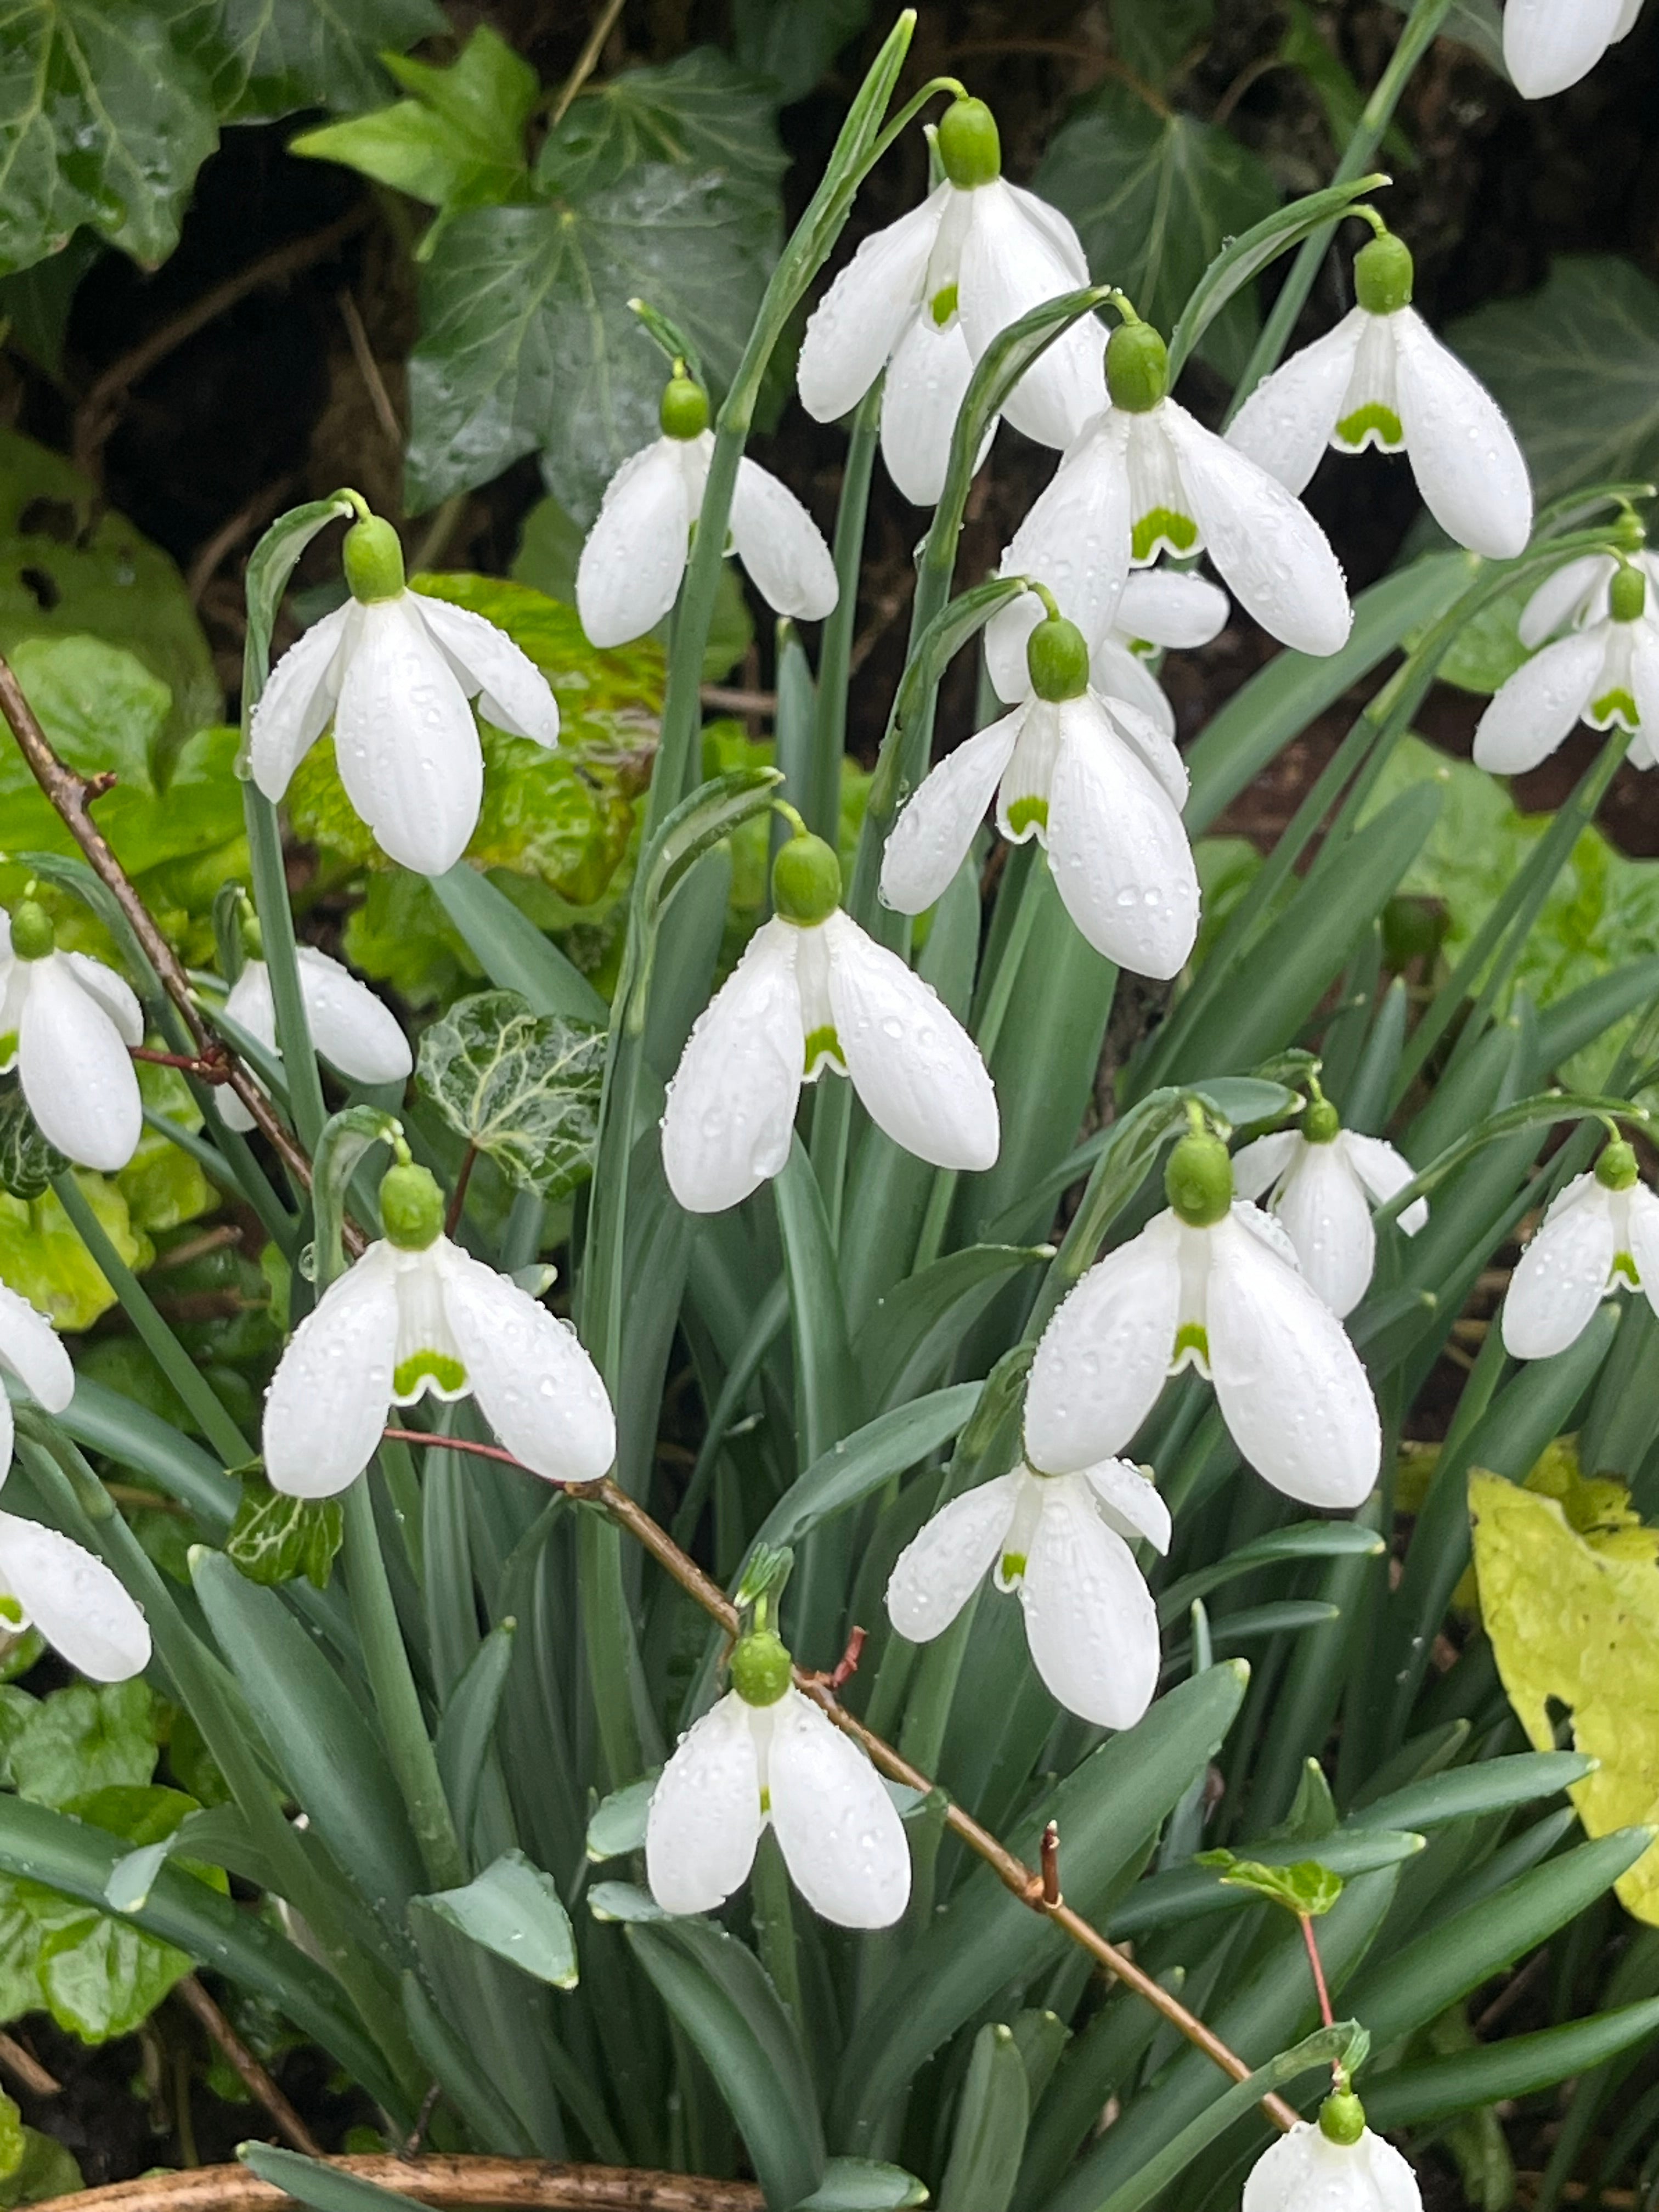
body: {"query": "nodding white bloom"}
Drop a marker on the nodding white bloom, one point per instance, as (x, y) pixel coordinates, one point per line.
(30, 1349)
(1215, 1285)
(353, 1030)
(1158, 608)
(1605, 672)
(925, 297)
(813, 992)
(766, 1754)
(1578, 595)
(416, 1314)
(1599, 1235)
(68, 1025)
(1551, 44)
(1062, 1541)
(1095, 782)
(1144, 475)
(635, 555)
(1321, 1182)
(396, 669)
(1326, 2166)
(1381, 377)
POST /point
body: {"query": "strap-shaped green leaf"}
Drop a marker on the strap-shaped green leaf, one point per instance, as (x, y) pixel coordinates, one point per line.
(514, 1910)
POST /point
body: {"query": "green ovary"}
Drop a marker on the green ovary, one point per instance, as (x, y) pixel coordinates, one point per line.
(823, 1043)
(1179, 531)
(1352, 429)
(1026, 813)
(440, 1367)
(1617, 704)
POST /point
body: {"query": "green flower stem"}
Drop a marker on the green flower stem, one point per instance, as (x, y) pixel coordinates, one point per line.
(822, 795)
(775, 1926)
(831, 1135)
(265, 840)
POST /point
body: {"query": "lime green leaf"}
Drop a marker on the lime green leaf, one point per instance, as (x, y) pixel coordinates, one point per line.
(524, 1090)
(11, 2139)
(279, 55)
(84, 1739)
(458, 143)
(275, 1539)
(1304, 1889)
(99, 704)
(20, 1942)
(43, 1259)
(45, 2170)
(28, 1162)
(400, 935)
(514, 1910)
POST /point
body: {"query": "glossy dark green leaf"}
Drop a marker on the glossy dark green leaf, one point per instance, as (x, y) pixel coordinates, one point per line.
(1412, 2096)
(989, 2136)
(914, 1330)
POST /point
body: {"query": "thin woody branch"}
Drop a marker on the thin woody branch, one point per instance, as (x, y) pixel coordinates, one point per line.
(517, 2185)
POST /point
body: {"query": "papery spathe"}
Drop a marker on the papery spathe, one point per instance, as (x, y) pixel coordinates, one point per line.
(352, 1029)
(68, 1025)
(1322, 1194)
(1304, 2171)
(1549, 45)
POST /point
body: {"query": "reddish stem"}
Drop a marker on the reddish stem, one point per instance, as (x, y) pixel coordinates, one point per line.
(1315, 1961)
(458, 1196)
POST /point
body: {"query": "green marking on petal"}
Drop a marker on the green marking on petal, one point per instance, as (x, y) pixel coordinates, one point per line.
(1616, 705)
(10, 1610)
(1013, 1566)
(1178, 532)
(1353, 429)
(8, 1048)
(943, 305)
(1192, 1339)
(1624, 1263)
(1025, 814)
(440, 1367)
(766, 1801)
(822, 1044)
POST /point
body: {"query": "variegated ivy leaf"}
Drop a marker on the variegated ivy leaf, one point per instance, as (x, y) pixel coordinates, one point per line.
(28, 1162)
(519, 1087)
(276, 1539)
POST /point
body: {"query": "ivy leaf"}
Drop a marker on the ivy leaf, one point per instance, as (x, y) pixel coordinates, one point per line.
(28, 1162)
(85, 1738)
(275, 1539)
(1307, 1887)
(522, 1088)
(1154, 37)
(793, 42)
(279, 55)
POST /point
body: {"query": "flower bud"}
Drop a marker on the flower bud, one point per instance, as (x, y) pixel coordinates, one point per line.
(32, 935)
(1198, 1180)
(1057, 656)
(761, 1669)
(1383, 275)
(807, 881)
(969, 144)
(684, 413)
(1614, 1171)
(1342, 2117)
(1627, 595)
(412, 1208)
(1136, 368)
(373, 561)
(1321, 1124)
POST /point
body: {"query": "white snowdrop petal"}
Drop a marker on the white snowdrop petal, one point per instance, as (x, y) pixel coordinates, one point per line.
(704, 1819)
(1531, 712)
(113, 993)
(328, 1398)
(730, 1107)
(406, 743)
(32, 1348)
(1100, 1362)
(511, 690)
(1060, 232)
(916, 1070)
(1130, 1503)
(1118, 849)
(944, 1562)
(353, 1029)
(1301, 2170)
(1645, 678)
(1172, 608)
(530, 1374)
(292, 711)
(841, 1837)
(1384, 1171)
(1290, 1386)
(1075, 539)
(8, 1436)
(73, 1599)
(1642, 1227)
(250, 1005)
(1153, 745)
(1123, 678)
(1004, 641)
(1287, 423)
(1089, 1619)
(1549, 45)
(930, 839)
(1323, 1212)
(1257, 1167)
(919, 402)
(780, 546)
(1274, 556)
(1565, 597)
(854, 330)
(632, 560)
(1009, 265)
(1463, 453)
(73, 1064)
(1562, 1276)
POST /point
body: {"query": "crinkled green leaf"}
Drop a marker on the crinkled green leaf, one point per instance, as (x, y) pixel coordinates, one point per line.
(86, 1738)
(45, 2170)
(273, 56)
(28, 1162)
(521, 1088)
(1305, 1887)
(275, 1539)
(19, 1941)
(459, 142)
(43, 1259)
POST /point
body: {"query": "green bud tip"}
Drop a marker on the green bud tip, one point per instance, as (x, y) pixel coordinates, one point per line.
(685, 410)
(807, 881)
(1057, 656)
(253, 936)
(374, 559)
(1614, 1171)
(411, 1207)
(761, 1669)
(31, 932)
(1342, 2118)
(1136, 368)
(1321, 1124)
(1627, 595)
(1198, 1180)
(1383, 275)
(969, 144)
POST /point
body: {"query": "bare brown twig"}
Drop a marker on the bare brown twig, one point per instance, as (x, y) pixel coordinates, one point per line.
(257, 2083)
(521, 2185)
(25, 2067)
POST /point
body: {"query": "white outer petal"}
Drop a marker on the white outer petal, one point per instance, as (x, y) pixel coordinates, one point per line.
(250, 1005)
(919, 403)
(1090, 1619)
(916, 1070)
(74, 1600)
(1302, 2171)
(930, 839)
(292, 711)
(1567, 596)
(730, 1107)
(1288, 421)
(406, 743)
(113, 993)
(511, 690)
(32, 1348)
(1075, 539)
(1384, 1171)
(1010, 263)
(780, 546)
(839, 1832)
(854, 330)
(1152, 745)
(1129, 1503)
(1123, 677)
(632, 560)
(73, 1064)
(1645, 678)
(1642, 1227)
(944, 1562)
(1274, 556)
(352, 1029)
(1462, 451)
(533, 1381)
(1258, 1167)
(1527, 716)
(1562, 1276)
(1549, 45)
(1118, 849)
(1323, 1212)
(1100, 1362)
(1290, 1387)
(328, 1398)
(1172, 608)
(704, 1819)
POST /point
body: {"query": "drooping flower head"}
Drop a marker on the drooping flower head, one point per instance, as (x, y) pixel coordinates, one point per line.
(1159, 609)
(396, 670)
(1333, 2164)
(1095, 782)
(68, 1025)
(1320, 1182)
(812, 993)
(1549, 45)
(925, 297)
(1604, 672)
(415, 1314)
(634, 556)
(1381, 377)
(1600, 1235)
(352, 1029)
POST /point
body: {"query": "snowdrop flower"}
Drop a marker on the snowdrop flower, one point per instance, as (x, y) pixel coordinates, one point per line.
(1095, 782)
(925, 297)
(1062, 1541)
(1576, 595)
(765, 1754)
(31, 1350)
(629, 576)
(1143, 475)
(1600, 1235)
(352, 1029)
(1158, 608)
(814, 992)
(1381, 377)
(395, 670)
(1214, 1285)
(1608, 672)
(1335, 2164)
(1551, 44)
(47, 1582)
(68, 1025)
(416, 1314)
(1321, 1181)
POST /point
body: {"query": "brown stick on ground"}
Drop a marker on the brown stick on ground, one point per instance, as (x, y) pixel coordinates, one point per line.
(524, 2185)
(257, 2083)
